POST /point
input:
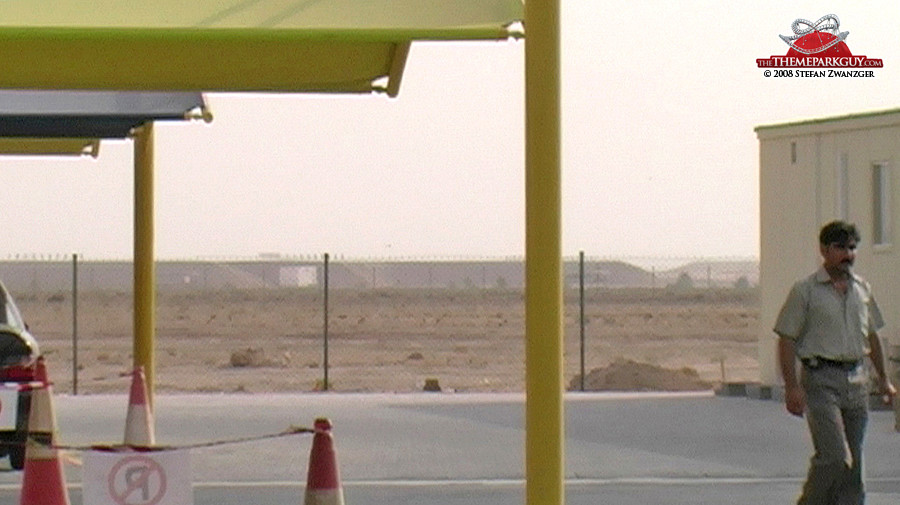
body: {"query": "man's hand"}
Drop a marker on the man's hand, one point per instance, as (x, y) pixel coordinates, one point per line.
(795, 399)
(887, 390)
(876, 354)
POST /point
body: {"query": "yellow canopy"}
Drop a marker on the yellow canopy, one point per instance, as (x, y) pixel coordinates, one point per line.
(355, 46)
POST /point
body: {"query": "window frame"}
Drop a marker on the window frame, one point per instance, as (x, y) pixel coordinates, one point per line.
(842, 186)
(882, 235)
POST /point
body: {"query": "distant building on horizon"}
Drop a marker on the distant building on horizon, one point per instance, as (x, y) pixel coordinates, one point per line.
(815, 171)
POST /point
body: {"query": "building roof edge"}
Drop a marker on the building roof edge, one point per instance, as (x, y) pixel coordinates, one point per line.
(829, 119)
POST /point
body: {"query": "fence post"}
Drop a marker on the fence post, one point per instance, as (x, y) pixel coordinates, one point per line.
(75, 324)
(325, 324)
(581, 306)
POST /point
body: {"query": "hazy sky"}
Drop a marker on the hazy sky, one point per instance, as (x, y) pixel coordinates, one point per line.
(659, 155)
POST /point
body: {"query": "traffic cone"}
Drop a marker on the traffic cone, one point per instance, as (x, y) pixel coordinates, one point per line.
(43, 482)
(139, 420)
(323, 481)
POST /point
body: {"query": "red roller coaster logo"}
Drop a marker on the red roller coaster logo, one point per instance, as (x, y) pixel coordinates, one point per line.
(818, 45)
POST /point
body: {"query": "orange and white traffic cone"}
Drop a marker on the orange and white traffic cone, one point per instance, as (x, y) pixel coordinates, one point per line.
(43, 482)
(323, 481)
(139, 420)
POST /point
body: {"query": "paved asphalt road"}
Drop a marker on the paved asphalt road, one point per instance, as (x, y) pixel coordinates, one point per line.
(447, 449)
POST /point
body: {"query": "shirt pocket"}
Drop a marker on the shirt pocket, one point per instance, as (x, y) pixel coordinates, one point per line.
(826, 316)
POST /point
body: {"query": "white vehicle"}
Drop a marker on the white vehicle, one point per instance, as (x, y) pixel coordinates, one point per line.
(18, 356)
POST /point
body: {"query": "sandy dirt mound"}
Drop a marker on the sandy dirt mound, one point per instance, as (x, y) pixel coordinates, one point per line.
(254, 357)
(628, 375)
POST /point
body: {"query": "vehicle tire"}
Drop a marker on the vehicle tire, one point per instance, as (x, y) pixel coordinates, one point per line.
(17, 457)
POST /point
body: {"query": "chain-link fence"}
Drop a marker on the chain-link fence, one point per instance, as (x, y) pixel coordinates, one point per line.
(269, 325)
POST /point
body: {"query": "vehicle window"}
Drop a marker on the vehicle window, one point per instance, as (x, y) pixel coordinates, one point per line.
(9, 314)
(13, 350)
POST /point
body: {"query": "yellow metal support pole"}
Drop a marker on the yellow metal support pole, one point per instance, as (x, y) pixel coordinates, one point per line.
(544, 417)
(144, 267)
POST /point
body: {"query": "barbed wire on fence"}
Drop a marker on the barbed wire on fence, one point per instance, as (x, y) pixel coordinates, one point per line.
(435, 258)
(35, 273)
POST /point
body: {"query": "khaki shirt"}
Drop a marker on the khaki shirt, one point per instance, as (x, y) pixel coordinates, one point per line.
(825, 324)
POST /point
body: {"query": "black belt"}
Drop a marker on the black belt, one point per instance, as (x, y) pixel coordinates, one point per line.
(817, 362)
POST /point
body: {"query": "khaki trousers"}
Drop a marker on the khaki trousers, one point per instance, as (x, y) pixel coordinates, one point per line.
(837, 412)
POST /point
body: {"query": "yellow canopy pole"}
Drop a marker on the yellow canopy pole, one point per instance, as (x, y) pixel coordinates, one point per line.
(144, 268)
(544, 418)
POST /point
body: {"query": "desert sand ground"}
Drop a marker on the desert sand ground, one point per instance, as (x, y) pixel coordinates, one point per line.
(271, 340)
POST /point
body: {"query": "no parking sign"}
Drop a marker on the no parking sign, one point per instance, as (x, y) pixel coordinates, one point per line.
(133, 478)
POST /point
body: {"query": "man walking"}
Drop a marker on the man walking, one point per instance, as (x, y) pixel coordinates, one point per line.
(830, 322)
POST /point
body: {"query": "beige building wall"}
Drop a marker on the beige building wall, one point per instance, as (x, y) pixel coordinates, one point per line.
(812, 172)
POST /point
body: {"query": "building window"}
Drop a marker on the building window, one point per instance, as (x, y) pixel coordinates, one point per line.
(793, 153)
(881, 203)
(842, 187)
